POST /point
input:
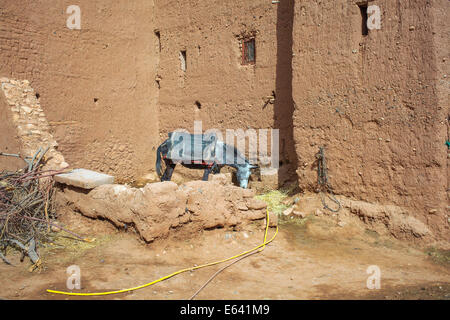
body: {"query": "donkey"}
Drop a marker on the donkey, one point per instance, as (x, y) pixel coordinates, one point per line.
(202, 151)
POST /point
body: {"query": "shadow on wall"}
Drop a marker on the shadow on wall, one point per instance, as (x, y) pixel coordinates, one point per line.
(284, 103)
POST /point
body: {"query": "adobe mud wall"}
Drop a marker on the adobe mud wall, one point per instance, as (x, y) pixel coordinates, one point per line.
(231, 95)
(159, 208)
(379, 103)
(216, 87)
(376, 102)
(96, 85)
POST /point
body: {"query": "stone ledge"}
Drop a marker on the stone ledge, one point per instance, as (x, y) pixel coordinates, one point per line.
(83, 178)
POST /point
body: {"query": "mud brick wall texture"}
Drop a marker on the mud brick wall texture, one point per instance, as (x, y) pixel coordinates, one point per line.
(378, 102)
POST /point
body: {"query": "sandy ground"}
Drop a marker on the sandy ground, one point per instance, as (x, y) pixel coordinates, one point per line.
(311, 258)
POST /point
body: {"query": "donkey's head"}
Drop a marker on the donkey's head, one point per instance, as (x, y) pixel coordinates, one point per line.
(243, 173)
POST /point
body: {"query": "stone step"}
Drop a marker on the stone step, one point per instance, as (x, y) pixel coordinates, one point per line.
(83, 178)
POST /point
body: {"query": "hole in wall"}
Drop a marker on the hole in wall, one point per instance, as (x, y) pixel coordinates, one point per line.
(95, 100)
(38, 95)
(183, 60)
(158, 36)
(198, 104)
(364, 17)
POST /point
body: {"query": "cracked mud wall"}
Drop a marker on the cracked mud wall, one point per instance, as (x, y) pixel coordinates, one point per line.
(25, 127)
(96, 85)
(231, 95)
(375, 102)
(112, 90)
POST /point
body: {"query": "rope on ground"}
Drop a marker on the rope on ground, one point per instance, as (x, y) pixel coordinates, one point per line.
(260, 248)
(229, 265)
(219, 271)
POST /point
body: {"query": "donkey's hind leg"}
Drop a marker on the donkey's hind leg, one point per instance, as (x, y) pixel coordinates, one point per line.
(170, 166)
(206, 174)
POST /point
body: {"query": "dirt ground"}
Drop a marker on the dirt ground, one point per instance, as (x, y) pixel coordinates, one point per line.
(311, 258)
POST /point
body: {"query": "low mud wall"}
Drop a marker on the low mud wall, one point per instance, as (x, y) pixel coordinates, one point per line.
(158, 208)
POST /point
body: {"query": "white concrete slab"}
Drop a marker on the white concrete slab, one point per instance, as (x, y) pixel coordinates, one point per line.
(84, 178)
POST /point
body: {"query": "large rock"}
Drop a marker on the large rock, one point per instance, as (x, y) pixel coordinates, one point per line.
(397, 220)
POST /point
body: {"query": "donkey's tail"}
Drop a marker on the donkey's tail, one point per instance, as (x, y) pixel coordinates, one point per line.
(158, 160)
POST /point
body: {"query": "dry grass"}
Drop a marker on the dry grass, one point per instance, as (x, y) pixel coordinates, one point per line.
(66, 248)
(274, 200)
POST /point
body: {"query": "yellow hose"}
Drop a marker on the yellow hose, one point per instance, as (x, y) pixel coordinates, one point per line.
(262, 246)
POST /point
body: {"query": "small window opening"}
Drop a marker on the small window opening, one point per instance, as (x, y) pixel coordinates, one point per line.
(183, 60)
(248, 51)
(364, 28)
(38, 95)
(158, 35)
(198, 104)
(95, 100)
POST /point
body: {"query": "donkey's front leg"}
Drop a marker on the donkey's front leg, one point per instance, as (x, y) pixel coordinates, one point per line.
(206, 174)
(215, 169)
(170, 166)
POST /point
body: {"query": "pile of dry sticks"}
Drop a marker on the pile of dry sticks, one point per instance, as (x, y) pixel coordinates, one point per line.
(27, 208)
